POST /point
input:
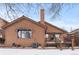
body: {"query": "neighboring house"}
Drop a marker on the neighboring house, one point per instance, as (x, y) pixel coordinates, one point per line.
(24, 32)
(76, 35)
(2, 23)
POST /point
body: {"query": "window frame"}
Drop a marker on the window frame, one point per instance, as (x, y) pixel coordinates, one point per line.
(21, 33)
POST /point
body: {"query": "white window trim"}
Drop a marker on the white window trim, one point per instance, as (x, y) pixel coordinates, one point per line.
(20, 35)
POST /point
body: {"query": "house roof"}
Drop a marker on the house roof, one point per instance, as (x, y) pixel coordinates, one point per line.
(4, 20)
(19, 19)
(74, 31)
(37, 23)
(53, 26)
(56, 27)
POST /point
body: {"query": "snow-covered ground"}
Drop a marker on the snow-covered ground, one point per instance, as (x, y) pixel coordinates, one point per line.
(30, 51)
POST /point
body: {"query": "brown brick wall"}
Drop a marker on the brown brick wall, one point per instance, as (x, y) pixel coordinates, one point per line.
(11, 34)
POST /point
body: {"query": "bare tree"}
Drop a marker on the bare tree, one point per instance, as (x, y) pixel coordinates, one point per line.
(12, 9)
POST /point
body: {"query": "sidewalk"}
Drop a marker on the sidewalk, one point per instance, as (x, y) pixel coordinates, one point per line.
(29, 51)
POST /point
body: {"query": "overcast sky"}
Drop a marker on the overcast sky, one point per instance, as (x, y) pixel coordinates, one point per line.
(68, 19)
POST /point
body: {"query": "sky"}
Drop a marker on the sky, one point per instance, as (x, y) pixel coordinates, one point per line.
(68, 18)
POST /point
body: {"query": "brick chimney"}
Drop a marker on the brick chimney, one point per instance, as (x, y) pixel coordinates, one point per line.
(42, 16)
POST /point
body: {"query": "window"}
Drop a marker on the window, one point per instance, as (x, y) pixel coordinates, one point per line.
(1, 36)
(57, 35)
(24, 33)
(47, 36)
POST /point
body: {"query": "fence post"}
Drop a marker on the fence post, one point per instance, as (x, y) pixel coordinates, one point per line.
(73, 42)
(61, 45)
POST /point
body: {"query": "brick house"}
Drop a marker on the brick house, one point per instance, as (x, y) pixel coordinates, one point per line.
(24, 31)
(76, 36)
